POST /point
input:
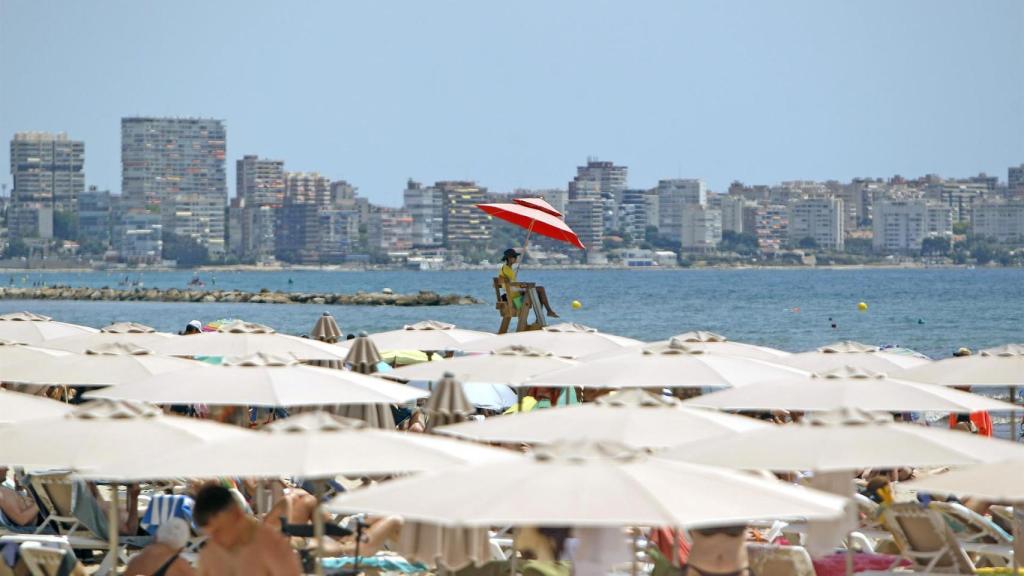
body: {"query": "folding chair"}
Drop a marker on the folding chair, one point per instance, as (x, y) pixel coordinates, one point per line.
(925, 539)
(769, 560)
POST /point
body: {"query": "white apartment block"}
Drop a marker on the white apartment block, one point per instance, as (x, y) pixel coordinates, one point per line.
(673, 196)
(702, 228)
(822, 219)
(1003, 221)
(901, 225)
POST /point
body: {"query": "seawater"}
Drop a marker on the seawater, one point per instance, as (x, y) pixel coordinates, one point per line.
(934, 311)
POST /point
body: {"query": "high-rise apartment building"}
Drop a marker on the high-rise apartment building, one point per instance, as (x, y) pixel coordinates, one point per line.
(425, 205)
(772, 226)
(1015, 178)
(1000, 219)
(464, 223)
(821, 219)
(95, 216)
(259, 182)
(47, 169)
(307, 188)
(960, 196)
(603, 181)
(732, 208)
(586, 217)
(177, 163)
(902, 225)
(673, 196)
(702, 228)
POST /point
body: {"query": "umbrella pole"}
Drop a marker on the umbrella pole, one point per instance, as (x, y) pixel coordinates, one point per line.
(634, 569)
(677, 537)
(318, 525)
(1014, 431)
(1018, 533)
(512, 554)
(112, 531)
(526, 245)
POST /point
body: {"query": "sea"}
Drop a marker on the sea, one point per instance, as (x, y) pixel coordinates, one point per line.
(933, 310)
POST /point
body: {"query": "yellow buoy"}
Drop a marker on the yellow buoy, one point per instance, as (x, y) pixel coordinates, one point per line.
(576, 305)
(863, 306)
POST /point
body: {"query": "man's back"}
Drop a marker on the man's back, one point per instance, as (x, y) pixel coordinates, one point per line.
(152, 557)
(264, 551)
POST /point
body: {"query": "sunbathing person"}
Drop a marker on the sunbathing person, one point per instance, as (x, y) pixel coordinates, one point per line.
(239, 544)
(508, 272)
(17, 507)
(718, 552)
(162, 557)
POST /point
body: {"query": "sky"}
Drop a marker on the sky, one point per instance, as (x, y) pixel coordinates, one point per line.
(517, 94)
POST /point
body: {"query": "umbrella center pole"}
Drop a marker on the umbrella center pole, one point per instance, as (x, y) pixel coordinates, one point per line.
(318, 525)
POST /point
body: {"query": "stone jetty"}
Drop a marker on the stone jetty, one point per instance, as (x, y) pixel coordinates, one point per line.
(385, 297)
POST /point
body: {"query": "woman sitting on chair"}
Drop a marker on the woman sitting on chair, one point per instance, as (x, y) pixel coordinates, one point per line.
(509, 273)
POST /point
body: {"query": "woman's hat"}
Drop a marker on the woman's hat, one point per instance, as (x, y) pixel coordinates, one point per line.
(511, 252)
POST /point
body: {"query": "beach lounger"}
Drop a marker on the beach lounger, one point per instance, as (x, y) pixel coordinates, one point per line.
(987, 543)
(770, 560)
(42, 560)
(924, 538)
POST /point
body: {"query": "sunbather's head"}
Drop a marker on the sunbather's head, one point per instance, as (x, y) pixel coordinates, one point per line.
(219, 515)
(174, 533)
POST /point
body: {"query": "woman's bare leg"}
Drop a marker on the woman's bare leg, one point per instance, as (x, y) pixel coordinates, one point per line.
(543, 296)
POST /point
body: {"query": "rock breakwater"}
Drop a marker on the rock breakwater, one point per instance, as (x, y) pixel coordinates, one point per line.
(382, 298)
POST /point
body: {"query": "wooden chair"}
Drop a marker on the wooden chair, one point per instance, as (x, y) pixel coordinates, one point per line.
(508, 311)
(925, 539)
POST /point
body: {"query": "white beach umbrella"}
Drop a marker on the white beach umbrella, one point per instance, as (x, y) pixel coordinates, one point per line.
(12, 353)
(567, 340)
(19, 407)
(630, 417)
(262, 380)
(103, 365)
(427, 335)
(588, 484)
(672, 365)
(718, 344)
(131, 333)
(236, 344)
(845, 440)
(847, 388)
(505, 366)
(311, 445)
(98, 432)
(1002, 366)
(854, 354)
(29, 328)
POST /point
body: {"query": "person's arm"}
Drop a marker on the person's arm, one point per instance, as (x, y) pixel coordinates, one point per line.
(279, 557)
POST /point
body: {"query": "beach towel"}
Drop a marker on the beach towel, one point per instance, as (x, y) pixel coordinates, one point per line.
(380, 563)
(163, 507)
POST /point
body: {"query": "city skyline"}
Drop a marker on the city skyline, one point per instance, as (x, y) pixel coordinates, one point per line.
(515, 97)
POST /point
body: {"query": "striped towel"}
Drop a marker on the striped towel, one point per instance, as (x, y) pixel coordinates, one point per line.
(162, 507)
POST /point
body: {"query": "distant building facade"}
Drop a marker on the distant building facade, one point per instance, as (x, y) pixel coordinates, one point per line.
(821, 219)
(425, 205)
(464, 223)
(902, 225)
(673, 197)
(48, 173)
(1002, 220)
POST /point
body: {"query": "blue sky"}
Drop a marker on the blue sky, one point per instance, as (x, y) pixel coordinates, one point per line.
(516, 94)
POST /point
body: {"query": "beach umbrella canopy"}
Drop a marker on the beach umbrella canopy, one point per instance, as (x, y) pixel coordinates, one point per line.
(12, 353)
(363, 356)
(717, 344)
(427, 335)
(19, 407)
(995, 367)
(102, 365)
(235, 344)
(310, 445)
(326, 329)
(588, 485)
(128, 333)
(448, 404)
(261, 380)
(847, 388)
(29, 328)
(855, 354)
(672, 365)
(480, 394)
(99, 432)
(634, 418)
(1004, 350)
(994, 481)
(505, 366)
(538, 204)
(845, 440)
(535, 221)
(568, 340)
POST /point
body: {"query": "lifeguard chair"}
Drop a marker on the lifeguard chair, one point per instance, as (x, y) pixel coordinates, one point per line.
(507, 309)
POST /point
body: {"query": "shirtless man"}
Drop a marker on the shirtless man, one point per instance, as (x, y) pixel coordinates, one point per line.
(239, 544)
(162, 557)
(17, 507)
